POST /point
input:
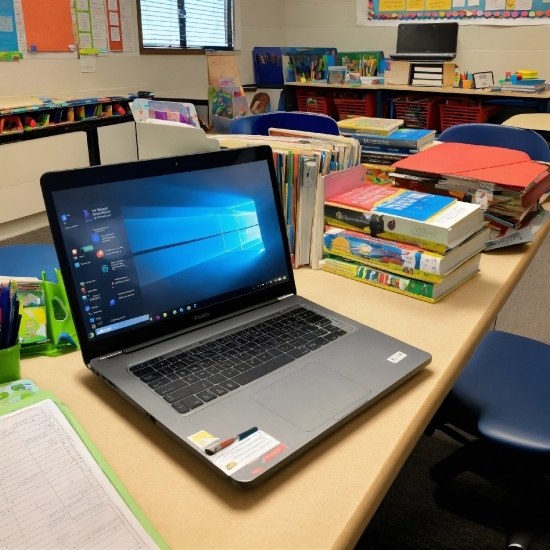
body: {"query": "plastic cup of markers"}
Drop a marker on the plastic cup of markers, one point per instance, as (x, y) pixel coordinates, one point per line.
(467, 83)
(10, 364)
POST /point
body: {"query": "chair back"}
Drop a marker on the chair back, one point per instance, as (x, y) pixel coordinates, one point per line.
(244, 125)
(307, 122)
(499, 136)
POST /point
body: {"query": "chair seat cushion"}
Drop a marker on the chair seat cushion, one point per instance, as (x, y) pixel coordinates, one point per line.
(506, 384)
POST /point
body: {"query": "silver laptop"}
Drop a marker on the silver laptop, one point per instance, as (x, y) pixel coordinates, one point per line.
(426, 41)
(179, 279)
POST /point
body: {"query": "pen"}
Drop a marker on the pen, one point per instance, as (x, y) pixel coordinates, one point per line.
(215, 447)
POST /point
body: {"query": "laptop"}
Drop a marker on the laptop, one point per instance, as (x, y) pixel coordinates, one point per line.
(426, 41)
(180, 283)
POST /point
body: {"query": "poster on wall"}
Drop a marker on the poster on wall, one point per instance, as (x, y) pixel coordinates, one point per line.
(465, 12)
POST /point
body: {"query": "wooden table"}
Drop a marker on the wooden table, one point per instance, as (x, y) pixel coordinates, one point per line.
(385, 91)
(326, 497)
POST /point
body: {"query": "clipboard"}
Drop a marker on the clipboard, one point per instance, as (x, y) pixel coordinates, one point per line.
(43, 396)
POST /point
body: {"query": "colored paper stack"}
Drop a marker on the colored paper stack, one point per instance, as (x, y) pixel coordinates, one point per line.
(413, 243)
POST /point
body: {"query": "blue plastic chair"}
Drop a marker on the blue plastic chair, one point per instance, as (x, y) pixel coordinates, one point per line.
(297, 120)
(244, 125)
(499, 136)
(29, 260)
(503, 399)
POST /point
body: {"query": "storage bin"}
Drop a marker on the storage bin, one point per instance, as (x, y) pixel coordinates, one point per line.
(355, 104)
(316, 102)
(455, 112)
(419, 111)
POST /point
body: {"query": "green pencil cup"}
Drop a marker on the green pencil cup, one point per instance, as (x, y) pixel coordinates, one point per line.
(10, 364)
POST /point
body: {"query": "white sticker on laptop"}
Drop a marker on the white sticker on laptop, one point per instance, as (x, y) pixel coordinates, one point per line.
(397, 356)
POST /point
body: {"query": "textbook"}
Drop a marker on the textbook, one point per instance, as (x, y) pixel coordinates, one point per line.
(369, 125)
(401, 258)
(408, 138)
(421, 290)
(68, 495)
(381, 157)
(432, 222)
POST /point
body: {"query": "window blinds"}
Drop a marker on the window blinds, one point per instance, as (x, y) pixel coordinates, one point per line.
(187, 24)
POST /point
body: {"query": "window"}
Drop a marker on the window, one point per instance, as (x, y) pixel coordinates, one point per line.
(180, 25)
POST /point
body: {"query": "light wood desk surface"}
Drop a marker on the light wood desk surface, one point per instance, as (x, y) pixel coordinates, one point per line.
(447, 90)
(326, 497)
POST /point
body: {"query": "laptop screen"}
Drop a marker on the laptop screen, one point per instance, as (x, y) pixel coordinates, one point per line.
(144, 250)
(427, 38)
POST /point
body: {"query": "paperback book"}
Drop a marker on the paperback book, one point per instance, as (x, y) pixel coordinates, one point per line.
(369, 125)
(421, 290)
(408, 138)
(400, 258)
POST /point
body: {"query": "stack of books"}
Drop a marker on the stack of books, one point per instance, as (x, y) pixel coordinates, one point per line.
(526, 82)
(384, 142)
(505, 183)
(416, 244)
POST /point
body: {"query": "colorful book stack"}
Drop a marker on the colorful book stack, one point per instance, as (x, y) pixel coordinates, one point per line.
(416, 244)
(505, 183)
(379, 151)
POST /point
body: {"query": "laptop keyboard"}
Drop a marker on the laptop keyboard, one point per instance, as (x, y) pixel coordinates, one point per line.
(193, 376)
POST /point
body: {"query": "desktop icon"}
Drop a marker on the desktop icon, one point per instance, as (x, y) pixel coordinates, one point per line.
(105, 268)
(74, 251)
(157, 317)
(87, 308)
(181, 310)
(77, 264)
(175, 311)
(63, 218)
(93, 326)
(188, 308)
(88, 248)
(164, 315)
(92, 319)
(84, 298)
(91, 334)
(81, 283)
(95, 238)
(112, 302)
(83, 288)
(87, 215)
(100, 253)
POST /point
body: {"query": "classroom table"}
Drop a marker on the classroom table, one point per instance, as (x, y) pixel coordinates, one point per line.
(384, 92)
(326, 497)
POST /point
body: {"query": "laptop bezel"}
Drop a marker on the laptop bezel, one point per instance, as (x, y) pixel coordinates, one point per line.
(52, 182)
(423, 26)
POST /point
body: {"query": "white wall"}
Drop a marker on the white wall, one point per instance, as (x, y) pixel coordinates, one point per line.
(480, 48)
(262, 23)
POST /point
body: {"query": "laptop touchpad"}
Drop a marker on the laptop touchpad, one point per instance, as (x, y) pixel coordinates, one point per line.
(309, 397)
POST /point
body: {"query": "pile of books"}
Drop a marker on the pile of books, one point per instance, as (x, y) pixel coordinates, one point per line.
(413, 243)
(505, 183)
(384, 142)
(524, 81)
(301, 160)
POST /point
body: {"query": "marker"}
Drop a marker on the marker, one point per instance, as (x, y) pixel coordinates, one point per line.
(215, 447)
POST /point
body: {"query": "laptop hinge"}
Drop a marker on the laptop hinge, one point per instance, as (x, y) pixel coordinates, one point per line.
(285, 296)
(108, 356)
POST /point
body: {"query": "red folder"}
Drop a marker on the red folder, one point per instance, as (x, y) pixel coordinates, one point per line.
(504, 167)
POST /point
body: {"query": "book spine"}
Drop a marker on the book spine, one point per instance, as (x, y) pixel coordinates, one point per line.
(381, 279)
(367, 139)
(417, 233)
(390, 149)
(380, 158)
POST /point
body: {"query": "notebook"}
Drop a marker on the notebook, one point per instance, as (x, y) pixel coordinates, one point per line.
(426, 41)
(179, 278)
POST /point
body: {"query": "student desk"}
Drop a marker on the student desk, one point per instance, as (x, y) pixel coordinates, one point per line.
(326, 497)
(540, 101)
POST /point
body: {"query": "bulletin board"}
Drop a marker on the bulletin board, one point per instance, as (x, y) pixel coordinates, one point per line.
(465, 12)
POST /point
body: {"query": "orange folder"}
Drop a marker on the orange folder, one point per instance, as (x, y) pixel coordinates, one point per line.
(48, 25)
